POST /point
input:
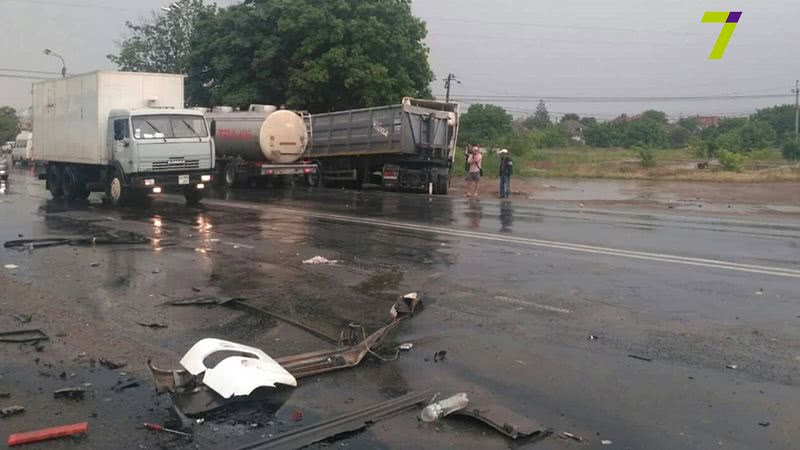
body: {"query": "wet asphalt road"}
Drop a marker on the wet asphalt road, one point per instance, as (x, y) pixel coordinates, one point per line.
(514, 290)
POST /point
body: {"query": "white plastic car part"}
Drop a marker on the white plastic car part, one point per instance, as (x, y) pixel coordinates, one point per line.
(235, 375)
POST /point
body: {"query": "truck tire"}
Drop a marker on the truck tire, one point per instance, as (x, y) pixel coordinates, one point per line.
(440, 186)
(231, 180)
(192, 196)
(72, 186)
(315, 179)
(54, 181)
(116, 191)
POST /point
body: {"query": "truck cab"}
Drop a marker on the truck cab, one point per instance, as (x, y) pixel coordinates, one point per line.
(22, 152)
(161, 150)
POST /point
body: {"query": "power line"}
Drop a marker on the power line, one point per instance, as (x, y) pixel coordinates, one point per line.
(26, 77)
(30, 71)
(575, 99)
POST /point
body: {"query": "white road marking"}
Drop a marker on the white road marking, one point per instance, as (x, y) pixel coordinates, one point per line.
(659, 257)
(517, 301)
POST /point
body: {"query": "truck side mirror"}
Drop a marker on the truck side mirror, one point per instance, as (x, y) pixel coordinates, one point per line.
(213, 128)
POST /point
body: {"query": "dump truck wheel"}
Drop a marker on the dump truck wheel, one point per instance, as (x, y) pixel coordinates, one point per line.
(116, 192)
(230, 175)
(54, 181)
(72, 186)
(192, 196)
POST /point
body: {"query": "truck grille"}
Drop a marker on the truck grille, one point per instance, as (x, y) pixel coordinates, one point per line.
(176, 164)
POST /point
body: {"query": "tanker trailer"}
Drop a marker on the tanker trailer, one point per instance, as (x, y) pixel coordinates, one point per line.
(260, 143)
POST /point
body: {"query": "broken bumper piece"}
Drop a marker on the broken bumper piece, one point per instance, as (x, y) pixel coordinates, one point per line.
(239, 378)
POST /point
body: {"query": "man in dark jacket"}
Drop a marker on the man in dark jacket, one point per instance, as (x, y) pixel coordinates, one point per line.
(506, 170)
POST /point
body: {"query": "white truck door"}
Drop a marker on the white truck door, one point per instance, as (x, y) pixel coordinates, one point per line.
(121, 148)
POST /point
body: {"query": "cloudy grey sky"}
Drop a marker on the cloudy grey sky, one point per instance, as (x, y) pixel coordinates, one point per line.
(502, 48)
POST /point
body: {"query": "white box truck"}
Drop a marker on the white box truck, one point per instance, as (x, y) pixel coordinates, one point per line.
(125, 134)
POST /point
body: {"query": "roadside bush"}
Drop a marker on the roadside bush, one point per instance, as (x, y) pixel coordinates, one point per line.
(648, 157)
(730, 161)
(791, 150)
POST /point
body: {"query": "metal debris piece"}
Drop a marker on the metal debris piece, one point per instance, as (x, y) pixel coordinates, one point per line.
(47, 434)
(5, 394)
(23, 336)
(111, 364)
(502, 419)
(732, 366)
(345, 423)
(121, 386)
(406, 347)
(11, 411)
(11, 266)
(72, 393)
(440, 355)
(606, 442)
(90, 241)
(23, 318)
(572, 436)
(640, 358)
(152, 324)
(764, 424)
(243, 303)
(202, 301)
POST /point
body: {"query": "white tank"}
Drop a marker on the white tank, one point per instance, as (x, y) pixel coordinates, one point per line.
(279, 136)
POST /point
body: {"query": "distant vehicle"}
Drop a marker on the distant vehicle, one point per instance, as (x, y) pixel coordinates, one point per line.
(4, 169)
(259, 143)
(407, 146)
(22, 152)
(7, 147)
(122, 133)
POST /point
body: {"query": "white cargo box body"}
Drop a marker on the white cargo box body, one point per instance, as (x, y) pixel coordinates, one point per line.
(70, 115)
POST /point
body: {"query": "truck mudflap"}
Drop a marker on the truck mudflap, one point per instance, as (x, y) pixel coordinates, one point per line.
(171, 182)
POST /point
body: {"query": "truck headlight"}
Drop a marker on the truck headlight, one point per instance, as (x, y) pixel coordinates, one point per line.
(149, 182)
(205, 178)
(201, 186)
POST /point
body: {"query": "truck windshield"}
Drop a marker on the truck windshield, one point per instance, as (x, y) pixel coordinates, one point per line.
(168, 126)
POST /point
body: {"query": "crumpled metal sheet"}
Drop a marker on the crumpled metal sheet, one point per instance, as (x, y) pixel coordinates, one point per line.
(502, 419)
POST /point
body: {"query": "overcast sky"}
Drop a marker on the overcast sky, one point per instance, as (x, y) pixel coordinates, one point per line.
(520, 48)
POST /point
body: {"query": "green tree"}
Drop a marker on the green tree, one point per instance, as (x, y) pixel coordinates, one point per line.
(756, 135)
(780, 118)
(604, 135)
(678, 136)
(9, 124)
(588, 121)
(162, 42)
(791, 150)
(485, 124)
(539, 119)
(654, 116)
(310, 54)
(570, 116)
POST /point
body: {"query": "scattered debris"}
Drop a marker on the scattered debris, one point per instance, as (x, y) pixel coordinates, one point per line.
(572, 436)
(94, 264)
(192, 396)
(23, 318)
(197, 289)
(23, 336)
(47, 434)
(593, 337)
(760, 292)
(641, 358)
(764, 424)
(11, 411)
(502, 419)
(606, 442)
(241, 302)
(5, 394)
(336, 426)
(202, 301)
(152, 324)
(297, 415)
(11, 266)
(122, 385)
(440, 355)
(442, 408)
(72, 393)
(406, 347)
(156, 270)
(521, 363)
(732, 366)
(157, 427)
(320, 260)
(111, 364)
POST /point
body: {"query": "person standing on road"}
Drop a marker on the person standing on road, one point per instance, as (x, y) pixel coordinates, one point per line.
(506, 170)
(474, 164)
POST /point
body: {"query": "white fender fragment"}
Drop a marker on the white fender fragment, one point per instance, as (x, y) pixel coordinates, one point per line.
(235, 375)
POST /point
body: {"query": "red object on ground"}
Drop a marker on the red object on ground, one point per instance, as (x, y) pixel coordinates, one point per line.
(297, 415)
(47, 434)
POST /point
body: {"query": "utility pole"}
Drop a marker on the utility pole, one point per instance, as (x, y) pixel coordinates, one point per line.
(796, 91)
(447, 83)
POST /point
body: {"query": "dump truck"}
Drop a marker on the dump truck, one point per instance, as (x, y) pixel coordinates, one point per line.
(260, 143)
(125, 134)
(409, 146)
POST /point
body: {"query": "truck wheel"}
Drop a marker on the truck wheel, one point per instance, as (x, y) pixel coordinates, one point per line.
(54, 181)
(193, 196)
(72, 185)
(315, 179)
(440, 186)
(116, 192)
(230, 175)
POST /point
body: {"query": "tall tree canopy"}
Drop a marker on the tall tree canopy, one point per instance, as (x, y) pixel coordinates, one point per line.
(483, 124)
(162, 42)
(539, 119)
(310, 54)
(8, 124)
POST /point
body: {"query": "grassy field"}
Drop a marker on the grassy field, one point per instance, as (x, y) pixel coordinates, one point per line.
(681, 164)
